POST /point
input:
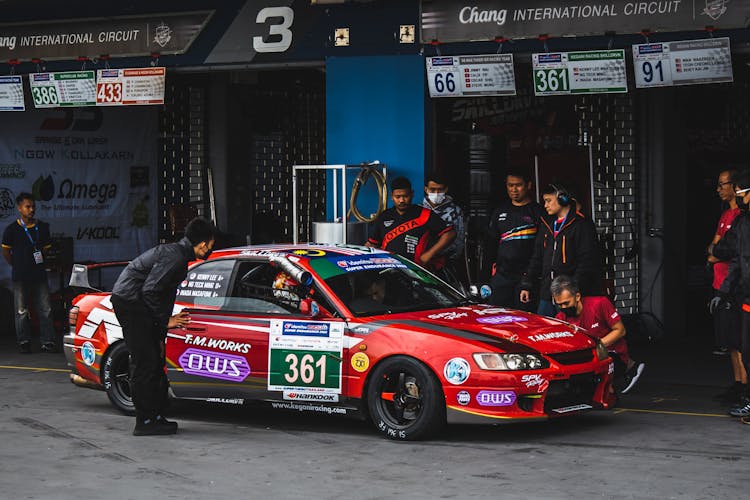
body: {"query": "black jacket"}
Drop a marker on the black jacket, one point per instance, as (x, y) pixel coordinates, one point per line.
(574, 252)
(513, 230)
(734, 246)
(152, 278)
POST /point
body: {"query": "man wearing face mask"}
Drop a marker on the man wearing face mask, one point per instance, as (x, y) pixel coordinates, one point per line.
(735, 248)
(598, 316)
(143, 299)
(437, 199)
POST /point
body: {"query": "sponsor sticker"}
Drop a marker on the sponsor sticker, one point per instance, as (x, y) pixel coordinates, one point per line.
(501, 320)
(360, 362)
(568, 409)
(549, 336)
(214, 365)
(611, 368)
(317, 397)
(496, 398)
(463, 398)
(532, 379)
(457, 371)
(88, 353)
(305, 407)
(450, 315)
(227, 401)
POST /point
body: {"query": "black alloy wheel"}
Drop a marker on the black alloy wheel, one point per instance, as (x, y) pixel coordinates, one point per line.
(405, 399)
(116, 378)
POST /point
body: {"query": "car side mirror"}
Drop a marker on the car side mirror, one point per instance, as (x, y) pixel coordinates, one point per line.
(480, 292)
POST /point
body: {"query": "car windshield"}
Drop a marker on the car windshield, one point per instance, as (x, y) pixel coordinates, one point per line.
(374, 284)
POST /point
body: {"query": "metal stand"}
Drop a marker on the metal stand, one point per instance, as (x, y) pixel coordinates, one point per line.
(335, 169)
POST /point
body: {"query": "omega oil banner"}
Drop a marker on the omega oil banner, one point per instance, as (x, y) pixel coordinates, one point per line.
(92, 172)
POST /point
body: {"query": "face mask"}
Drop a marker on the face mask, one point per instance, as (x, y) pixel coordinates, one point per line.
(436, 198)
(569, 311)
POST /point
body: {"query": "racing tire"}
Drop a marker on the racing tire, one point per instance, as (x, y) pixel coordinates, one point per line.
(116, 378)
(405, 400)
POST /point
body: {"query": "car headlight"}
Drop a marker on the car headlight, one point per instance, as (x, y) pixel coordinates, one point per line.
(497, 361)
(601, 351)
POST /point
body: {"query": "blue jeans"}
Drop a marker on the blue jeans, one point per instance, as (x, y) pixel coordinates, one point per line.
(546, 308)
(39, 295)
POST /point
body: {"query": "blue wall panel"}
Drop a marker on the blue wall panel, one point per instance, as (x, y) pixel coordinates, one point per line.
(375, 110)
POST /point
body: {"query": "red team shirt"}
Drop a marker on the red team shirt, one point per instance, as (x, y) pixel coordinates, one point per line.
(597, 318)
(721, 269)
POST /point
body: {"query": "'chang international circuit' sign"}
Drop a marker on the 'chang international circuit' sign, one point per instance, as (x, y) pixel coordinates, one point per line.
(461, 21)
(171, 33)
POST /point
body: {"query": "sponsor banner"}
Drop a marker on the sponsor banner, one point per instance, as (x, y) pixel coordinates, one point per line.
(355, 263)
(688, 62)
(305, 356)
(461, 21)
(318, 397)
(563, 73)
(60, 90)
(129, 87)
(168, 33)
(471, 76)
(92, 172)
(214, 364)
(11, 93)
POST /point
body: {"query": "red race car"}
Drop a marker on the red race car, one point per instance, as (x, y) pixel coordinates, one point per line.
(349, 331)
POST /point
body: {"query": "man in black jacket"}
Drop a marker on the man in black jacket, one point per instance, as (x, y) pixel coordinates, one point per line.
(735, 247)
(143, 298)
(565, 244)
(512, 230)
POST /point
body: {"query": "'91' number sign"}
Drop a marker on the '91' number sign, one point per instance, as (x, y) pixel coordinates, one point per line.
(109, 93)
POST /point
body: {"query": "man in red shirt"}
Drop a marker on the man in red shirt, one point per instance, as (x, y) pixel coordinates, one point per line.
(726, 313)
(598, 316)
(412, 231)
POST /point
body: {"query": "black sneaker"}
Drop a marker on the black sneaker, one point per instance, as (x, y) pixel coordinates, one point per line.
(164, 421)
(742, 410)
(732, 393)
(632, 376)
(49, 347)
(720, 351)
(154, 427)
(745, 420)
(24, 347)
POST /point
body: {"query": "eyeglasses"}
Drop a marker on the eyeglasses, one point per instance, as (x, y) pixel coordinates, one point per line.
(722, 184)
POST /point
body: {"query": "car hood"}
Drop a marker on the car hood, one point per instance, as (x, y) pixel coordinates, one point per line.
(509, 328)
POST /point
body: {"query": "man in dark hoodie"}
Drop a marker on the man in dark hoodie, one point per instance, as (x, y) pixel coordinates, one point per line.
(143, 299)
(565, 244)
(735, 248)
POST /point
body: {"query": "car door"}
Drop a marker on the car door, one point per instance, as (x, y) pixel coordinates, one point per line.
(224, 352)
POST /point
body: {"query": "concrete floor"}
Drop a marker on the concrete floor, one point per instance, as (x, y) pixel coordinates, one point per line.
(667, 440)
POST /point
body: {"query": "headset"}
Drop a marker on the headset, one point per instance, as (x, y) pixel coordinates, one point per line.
(563, 197)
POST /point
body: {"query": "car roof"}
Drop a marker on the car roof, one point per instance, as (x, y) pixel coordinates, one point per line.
(308, 250)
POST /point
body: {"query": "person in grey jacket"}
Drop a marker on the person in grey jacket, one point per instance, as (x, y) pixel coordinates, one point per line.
(143, 299)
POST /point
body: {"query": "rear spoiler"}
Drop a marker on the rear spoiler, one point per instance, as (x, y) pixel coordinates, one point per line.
(79, 276)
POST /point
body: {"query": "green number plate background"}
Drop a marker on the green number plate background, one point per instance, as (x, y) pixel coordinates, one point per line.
(280, 367)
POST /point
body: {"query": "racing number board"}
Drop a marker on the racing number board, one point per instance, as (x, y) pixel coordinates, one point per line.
(305, 356)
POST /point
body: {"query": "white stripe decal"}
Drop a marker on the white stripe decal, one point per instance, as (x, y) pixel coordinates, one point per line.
(236, 327)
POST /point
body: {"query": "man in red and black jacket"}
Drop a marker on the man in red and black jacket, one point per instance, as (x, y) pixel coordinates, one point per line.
(412, 231)
(565, 244)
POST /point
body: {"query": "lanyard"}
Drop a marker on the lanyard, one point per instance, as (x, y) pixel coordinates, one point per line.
(554, 225)
(28, 235)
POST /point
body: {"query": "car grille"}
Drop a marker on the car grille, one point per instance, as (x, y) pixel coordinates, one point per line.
(573, 357)
(577, 389)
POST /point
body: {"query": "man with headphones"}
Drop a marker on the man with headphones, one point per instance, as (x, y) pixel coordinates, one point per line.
(566, 244)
